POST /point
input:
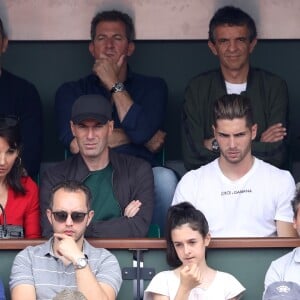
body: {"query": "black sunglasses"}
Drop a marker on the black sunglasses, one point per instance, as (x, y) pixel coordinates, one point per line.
(61, 216)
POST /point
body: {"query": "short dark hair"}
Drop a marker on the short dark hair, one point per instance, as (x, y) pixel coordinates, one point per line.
(71, 186)
(115, 16)
(296, 202)
(2, 31)
(231, 107)
(232, 16)
(180, 214)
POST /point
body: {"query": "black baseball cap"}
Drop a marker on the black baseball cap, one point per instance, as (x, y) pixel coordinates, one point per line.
(95, 107)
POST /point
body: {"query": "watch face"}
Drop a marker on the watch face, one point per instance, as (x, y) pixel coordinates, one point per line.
(81, 263)
(118, 87)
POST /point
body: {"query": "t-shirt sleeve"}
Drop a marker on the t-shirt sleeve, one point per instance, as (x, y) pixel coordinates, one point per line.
(272, 275)
(185, 189)
(233, 286)
(21, 272)
(108, 270)
(158, 285)
(284, 195)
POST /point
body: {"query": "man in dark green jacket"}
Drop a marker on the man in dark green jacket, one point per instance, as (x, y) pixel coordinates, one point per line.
(232, 38)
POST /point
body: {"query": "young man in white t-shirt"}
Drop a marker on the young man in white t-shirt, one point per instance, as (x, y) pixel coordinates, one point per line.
(239, 194)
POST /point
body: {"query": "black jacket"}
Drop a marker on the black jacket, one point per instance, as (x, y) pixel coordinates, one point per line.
(132, 180)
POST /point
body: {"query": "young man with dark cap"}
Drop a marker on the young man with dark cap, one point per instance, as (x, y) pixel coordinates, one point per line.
(121, 185)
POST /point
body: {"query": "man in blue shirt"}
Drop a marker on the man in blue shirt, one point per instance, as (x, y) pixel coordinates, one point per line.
(139, 102)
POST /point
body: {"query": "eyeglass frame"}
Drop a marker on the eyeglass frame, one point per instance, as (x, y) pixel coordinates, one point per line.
(79, 214)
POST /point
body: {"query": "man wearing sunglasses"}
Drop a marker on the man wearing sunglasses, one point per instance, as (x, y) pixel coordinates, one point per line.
(67, 260)
(121, 185)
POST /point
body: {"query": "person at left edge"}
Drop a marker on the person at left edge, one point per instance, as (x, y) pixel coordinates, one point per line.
(20, 98)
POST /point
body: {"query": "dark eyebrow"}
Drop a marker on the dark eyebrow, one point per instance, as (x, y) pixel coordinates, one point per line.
(242, 38)
(227, 134)
(114, 35)
(240, 133)
(222, 133)
(80, 124)
(96, 124)
(222, 39)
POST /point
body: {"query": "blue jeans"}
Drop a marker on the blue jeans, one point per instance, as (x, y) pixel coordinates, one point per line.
(2, 293)
(165, 182)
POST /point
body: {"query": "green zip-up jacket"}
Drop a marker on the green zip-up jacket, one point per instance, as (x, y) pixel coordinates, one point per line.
(269, 97)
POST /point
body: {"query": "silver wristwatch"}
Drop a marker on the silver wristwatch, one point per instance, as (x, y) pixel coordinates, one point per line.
(117, 87)
(81, 263)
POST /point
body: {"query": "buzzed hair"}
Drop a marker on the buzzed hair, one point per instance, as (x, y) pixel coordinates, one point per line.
(71, 186)
(232, 16)
(233, 106)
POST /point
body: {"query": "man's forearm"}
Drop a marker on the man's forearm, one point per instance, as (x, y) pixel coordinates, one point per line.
(123, 102)
(89, 286)
(118, 138)
(23, 292)
(285, 229)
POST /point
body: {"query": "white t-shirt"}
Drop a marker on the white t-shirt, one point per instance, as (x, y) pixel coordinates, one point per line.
(247, 207)
(235, 88)
(223, 287)
(285, 268)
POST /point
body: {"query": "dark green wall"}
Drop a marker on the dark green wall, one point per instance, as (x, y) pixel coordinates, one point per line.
(249, 266)
(49, 64)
